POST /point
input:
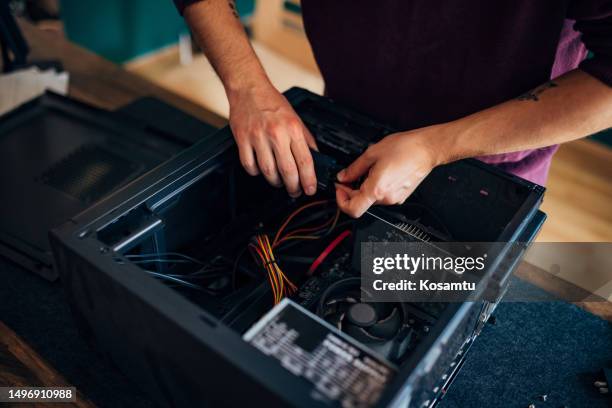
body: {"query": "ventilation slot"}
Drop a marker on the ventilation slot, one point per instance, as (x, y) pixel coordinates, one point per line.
(89, 173)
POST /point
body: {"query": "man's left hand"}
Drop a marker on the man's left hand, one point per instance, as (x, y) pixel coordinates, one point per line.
(393, 168)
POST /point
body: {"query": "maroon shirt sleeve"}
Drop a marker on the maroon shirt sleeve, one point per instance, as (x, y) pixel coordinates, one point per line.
(594, 20)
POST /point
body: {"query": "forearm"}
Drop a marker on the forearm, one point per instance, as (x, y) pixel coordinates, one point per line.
(568, 108)
(271, 138)
(221, 36)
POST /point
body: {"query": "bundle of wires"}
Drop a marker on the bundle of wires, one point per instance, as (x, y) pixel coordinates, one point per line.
(315, 232)
(280, 284)
(264, 249)
(261, 247)
(209, 271)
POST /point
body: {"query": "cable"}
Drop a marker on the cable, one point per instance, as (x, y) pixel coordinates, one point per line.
(263, 250)
(173, 279)
(292, 215)
(331, 223)
(166, 254)
(157, 260)
(208, 272)
(235, 266)
(284, 239)
(311, 229)
(280, 284)
(317, 262)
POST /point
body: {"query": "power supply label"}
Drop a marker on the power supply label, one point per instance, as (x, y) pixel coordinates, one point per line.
(342, 372)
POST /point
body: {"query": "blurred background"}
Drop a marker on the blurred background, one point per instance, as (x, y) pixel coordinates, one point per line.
(149, 38)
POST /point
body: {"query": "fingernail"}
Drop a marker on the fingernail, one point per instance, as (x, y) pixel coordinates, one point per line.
(310, 190)
(341, 174)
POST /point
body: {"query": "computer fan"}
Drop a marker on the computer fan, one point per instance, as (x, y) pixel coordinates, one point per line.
(383, 327)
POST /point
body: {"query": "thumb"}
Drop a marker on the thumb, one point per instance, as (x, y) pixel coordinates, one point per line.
(357, 169)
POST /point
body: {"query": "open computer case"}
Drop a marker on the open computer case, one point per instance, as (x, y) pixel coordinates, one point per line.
(163, 277)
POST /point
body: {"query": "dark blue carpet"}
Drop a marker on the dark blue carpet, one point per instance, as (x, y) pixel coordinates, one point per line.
(536, 348)
(548, 348)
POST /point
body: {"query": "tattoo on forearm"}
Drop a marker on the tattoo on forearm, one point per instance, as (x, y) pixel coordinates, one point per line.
(534, 94)
(232, 4)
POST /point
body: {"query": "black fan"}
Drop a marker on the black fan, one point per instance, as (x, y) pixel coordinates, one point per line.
(380, 326)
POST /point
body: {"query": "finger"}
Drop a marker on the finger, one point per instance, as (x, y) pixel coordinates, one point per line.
(247, 157)
(266, 162)
(354, 202)
(397, 197)
(357, 169)
(310, 140)
(345, 191)
(303, 160)
(286, 164)
(343, 195)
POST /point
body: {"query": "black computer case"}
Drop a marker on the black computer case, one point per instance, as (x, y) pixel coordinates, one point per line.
(199, 348)
(58, 156)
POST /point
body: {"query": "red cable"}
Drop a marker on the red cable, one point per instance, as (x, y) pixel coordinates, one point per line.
(327, 251)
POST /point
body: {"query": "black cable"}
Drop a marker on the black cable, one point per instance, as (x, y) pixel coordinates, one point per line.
(235, 266)
(173, 279)
(166, 254)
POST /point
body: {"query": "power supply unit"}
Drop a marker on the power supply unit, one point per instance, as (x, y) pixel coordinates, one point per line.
(209, 287)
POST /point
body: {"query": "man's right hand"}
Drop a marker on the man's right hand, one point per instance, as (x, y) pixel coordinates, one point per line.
(272, 139)
(270, 136)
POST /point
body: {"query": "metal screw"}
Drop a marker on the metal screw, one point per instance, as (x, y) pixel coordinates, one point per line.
(531, 405)
(544, 397)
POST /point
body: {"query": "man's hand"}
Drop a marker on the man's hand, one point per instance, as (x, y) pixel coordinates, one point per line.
(577, 105)
(272, 139)
(393, 168)
(270, 134)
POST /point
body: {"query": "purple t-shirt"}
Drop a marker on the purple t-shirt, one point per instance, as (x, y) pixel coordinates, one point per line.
(414, 63)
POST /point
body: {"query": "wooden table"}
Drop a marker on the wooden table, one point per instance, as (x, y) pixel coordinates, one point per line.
(20, 366)
(99, 82)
